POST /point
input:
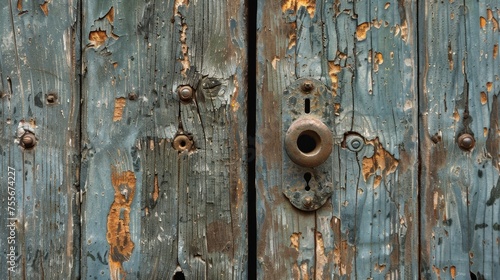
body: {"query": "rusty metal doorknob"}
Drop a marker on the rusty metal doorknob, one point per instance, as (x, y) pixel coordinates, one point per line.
(308, 142)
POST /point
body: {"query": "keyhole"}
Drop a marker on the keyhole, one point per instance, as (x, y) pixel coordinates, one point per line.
(307, 106)
(307, 177)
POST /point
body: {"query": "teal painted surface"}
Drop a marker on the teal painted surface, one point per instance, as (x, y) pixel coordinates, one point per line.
(39, 54)
(460, 86)
(188, 210)
(368, 229)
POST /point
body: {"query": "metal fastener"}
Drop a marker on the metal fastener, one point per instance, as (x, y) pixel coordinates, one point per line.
(182, 143)
(28, 140)
(354, 142)
(51, 98)
(307, 201)
(185, 93)
(132, 96)
(308, 142)
(307, 86)
(466, 141)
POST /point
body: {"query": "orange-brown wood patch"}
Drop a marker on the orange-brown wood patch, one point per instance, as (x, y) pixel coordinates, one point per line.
(118, 234)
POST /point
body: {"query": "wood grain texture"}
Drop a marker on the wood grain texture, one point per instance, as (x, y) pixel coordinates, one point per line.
(460, 189)
(39, 90)
(188, 212)
(365, 53)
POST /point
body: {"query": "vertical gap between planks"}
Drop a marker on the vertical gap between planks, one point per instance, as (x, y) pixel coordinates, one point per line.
(251, 130)
(79, 72)
(420, 79)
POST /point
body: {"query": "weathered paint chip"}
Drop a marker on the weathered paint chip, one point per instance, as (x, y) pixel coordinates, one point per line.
(333, 70)
(110, 16)
(295, 5)
(482, 22)
(44, 7)
(118, 235)
(484, 98)
(295, 240)
(381, 160)
(495, 51)
(120, 103)
(361, 31)
(489, 86)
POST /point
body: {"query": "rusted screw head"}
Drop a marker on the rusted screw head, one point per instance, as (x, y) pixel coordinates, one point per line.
(185, 93)
(307, 86)
(308, 201)
(354, 142)
(51, 98)
(132, 96)
(466, 141)
(28, 140)
(182, 143)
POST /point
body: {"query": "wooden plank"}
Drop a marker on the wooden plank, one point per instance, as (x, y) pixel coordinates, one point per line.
(39, 89)
(365, 52)
(460, 85)
(188, 211)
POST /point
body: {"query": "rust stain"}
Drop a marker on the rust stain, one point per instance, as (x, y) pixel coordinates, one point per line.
(378, 60)
(186, 64)
(342, 257)
(184, 47)
(404, 31)
(484, 98)
(377, 181)
(97, 38)
(495, 24)
(361, 31)
(156, 190)
(120, 103)
(489, 86)
(485, 131)
(489, 14)
(437, 271)
(274, 62)
(453, 272)
(118, 230)
(380, 267)
(450, 57)
(19, 5)
(381, 160)
(110, 16)
(336, 108)
(295, 240)
(321, 258)
(482, 22)
(495, 51)
(303, 271)
(295, 5)
(456, 115)
(333, 70)
(234, 99)
(377, 23)
(179, 3)
(44, 7)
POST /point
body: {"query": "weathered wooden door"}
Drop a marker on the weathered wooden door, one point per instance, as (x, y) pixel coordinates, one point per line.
(146, 139)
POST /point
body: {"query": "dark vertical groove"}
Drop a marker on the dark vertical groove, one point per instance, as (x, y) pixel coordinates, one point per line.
(79, 87)
(251, 117)
(420, 60)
